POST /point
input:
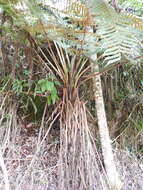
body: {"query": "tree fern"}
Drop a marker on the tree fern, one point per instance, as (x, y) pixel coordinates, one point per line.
(91, 27)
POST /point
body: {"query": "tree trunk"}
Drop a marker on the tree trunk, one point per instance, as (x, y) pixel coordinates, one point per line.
(112, 174)
(5, 173)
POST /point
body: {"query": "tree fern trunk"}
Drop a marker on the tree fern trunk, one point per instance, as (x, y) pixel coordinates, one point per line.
(110, 167)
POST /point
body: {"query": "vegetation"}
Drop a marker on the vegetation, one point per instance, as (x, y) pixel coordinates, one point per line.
(75, 69)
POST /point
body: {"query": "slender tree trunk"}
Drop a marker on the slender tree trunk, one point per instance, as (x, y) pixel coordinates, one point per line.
(110, 167)
(5, 173)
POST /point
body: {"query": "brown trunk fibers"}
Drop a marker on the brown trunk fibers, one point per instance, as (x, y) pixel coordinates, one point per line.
(78, 167)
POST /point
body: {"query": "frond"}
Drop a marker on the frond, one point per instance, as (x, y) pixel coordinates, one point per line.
(119, 34)
(102, 10)
(135, 21)
(72, 28)
(117, 41)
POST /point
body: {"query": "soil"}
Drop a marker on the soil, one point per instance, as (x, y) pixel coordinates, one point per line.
(33, 166)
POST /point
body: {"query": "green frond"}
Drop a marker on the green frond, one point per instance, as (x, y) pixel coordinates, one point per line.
(4, 2)
(115, 34)
(117, 41)
(103, 11)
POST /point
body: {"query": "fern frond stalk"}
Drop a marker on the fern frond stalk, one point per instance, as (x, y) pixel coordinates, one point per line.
(78, 166)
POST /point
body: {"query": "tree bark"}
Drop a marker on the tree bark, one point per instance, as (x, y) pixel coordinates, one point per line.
(112, 174)
(5, 173)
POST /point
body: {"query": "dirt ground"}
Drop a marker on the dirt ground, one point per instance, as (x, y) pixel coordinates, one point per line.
(32, 162)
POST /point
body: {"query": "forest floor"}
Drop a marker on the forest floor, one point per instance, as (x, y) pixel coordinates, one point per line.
(32, 163)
